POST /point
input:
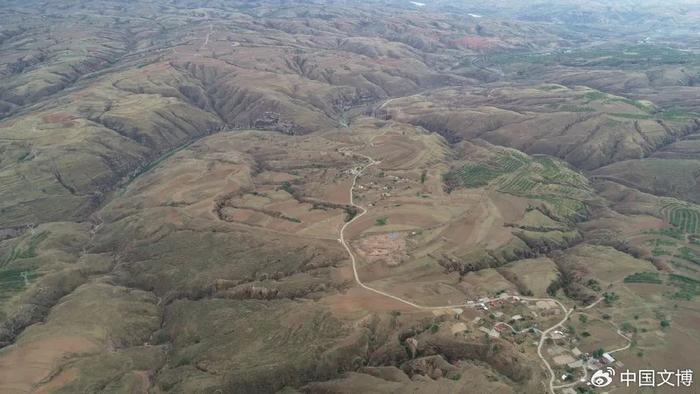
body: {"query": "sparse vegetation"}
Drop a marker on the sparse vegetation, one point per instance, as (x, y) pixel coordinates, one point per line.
(350, 213)
(610, 297)
(593, 285)
(287, 187)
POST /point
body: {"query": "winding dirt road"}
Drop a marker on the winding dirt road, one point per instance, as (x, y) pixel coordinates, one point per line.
(342, 240)
(545, 333)
(353, 259)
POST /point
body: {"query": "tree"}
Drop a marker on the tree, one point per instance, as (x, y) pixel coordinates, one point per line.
(610, 297)
(554, 287)
(598, 353)
(287, 187)
(583, 319)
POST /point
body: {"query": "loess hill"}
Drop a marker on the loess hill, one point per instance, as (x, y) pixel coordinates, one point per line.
(174, 178)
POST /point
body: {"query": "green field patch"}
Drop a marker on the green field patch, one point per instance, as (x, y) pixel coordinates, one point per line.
(661, 242)
(575, 108)
(635, 103)
(549, 88)
(620, 56)
(688, 254)
(630, 115)
(14, 280)
(660, 252)
(24, 251)
(594, 96)
(658, 246)
(473, 175)
(671, 232)
(476, 175)
(673, 114)
(686, 288)
(550, 180)
(643, 277)
(676, 114)
(682, 265)
(544, 178)
(683, 217)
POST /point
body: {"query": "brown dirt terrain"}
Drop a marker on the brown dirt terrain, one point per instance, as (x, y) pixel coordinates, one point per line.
(174, 178)
(26, 366)
(496, 114)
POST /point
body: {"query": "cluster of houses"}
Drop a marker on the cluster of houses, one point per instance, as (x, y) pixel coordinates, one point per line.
(484, 304)
(562, 350)
(571, 358)
(491, 306)
(574, 359)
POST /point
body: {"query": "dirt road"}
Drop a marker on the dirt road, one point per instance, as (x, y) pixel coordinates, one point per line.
(353, 259)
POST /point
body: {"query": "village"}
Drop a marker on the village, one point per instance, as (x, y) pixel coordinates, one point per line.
(539, 326)
(523, 321)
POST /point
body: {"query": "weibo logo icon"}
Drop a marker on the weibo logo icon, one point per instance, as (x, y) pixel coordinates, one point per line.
(602, 377)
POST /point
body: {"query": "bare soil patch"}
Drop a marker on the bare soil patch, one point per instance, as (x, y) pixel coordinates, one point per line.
(24, 365)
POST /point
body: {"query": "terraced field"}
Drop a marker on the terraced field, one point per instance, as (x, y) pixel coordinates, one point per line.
(543, 178)
(684, 217)
(481, 174)
(550, 180)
